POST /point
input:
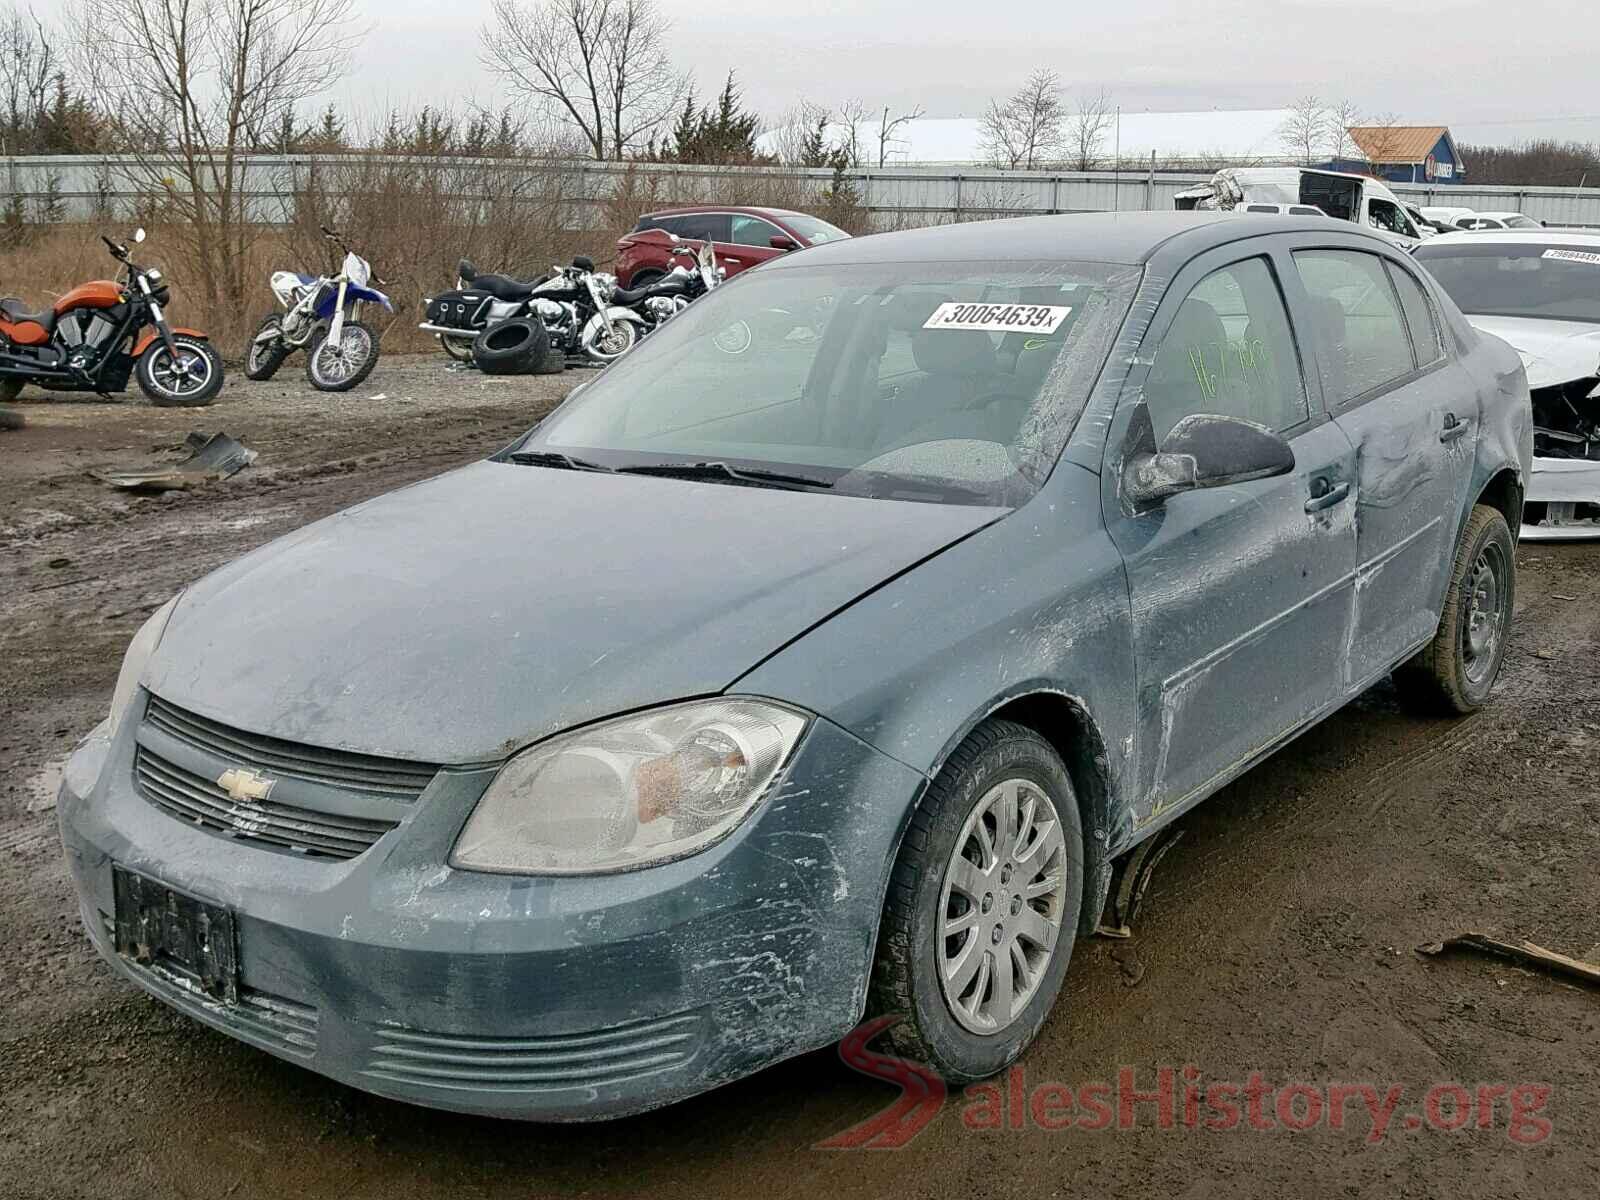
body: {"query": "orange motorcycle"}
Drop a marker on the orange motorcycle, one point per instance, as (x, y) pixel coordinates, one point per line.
(98, 334)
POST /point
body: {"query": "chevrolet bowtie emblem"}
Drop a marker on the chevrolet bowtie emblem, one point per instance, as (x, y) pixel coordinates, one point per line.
(244, 785)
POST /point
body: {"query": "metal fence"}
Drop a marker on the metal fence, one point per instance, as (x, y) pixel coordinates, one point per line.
(85, 188)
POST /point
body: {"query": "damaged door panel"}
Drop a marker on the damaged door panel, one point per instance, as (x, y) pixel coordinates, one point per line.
(1240, 591)
(1412, 416)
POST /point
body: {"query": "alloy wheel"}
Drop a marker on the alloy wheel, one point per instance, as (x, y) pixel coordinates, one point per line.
(1000, 906)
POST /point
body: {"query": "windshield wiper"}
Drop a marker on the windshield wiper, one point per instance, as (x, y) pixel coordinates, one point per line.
(554, 458)
(721, 470)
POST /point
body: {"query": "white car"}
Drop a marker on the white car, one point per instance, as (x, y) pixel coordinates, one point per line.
(1446, 215)
(1540, 291)
(1498, 220)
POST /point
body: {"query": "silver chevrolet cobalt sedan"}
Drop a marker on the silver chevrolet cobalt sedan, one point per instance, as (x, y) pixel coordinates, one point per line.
(821, 658)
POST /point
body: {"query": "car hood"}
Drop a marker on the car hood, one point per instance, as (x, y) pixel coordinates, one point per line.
(1552, 351)
(458, 619)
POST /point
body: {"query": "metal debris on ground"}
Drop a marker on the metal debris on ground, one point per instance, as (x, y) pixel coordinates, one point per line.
(211, 457)
(10, 418)
(1133, 872)
(1525, 953)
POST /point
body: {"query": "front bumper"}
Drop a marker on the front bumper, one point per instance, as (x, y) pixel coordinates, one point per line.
(1567, 487)
(541, 998)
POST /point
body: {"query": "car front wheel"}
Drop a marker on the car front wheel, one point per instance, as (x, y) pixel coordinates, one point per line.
(983, 905)
(1453, 674)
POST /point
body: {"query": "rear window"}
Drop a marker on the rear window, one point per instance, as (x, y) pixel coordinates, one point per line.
(1547, 280)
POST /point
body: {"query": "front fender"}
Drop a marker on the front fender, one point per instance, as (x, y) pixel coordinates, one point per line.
(150, 335)
(615, 313)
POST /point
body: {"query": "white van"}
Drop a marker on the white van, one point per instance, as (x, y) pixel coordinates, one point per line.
(1342, 196)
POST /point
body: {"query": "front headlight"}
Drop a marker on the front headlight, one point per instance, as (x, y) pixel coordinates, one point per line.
(133, 662)
(630, 792)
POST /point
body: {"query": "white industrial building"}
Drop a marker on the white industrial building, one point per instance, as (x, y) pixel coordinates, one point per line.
(1217, 135)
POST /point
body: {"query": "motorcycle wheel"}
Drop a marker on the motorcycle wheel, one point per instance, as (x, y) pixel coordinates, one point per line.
(516, 347)
(458, 348)
(262, 359)
(338, 369)
(613, 344)
(191, 380)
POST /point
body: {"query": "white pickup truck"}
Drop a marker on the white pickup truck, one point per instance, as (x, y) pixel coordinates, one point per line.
(1344, 197)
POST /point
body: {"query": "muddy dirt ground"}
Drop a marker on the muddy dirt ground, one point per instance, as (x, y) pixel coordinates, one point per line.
(1278, 937)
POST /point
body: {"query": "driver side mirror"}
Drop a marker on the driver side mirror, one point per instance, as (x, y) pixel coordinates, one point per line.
(1205, 450)
(780, 242)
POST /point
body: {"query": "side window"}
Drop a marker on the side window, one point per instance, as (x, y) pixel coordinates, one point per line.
(1358, 321)
(1385, 216)
(700, 227)
(1229, 351)
(1419, 317)
(752, 231)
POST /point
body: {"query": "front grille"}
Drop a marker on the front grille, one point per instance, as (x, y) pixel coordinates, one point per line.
(501, 1064)
(366, 774)
(200, 801)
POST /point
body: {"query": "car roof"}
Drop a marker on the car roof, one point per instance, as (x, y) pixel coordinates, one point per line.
(749, 209)
(1514, 237)
(1498, 216)
(1128, 237)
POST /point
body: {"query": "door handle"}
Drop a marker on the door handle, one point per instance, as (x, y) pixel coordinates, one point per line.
(1454, 427)
(1324, 495)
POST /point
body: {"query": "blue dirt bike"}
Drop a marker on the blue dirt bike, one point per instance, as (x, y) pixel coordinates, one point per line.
(322, 316)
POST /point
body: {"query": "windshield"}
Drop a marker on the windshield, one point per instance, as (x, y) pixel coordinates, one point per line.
(947, 382)
(813, 229)
(1527, 279)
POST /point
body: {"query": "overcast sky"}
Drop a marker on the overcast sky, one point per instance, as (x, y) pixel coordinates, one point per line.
(1491, 70)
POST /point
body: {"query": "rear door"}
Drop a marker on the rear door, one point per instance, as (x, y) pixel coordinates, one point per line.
(1411, 411)
(1240, 594)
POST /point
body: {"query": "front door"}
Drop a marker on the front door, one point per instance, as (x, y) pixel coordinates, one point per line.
(1239, 594)
(1411, 412)
(749, 243)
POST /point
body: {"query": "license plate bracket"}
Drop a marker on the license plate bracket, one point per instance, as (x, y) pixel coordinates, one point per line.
(177, 935)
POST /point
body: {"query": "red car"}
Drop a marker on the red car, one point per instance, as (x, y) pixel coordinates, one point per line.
(743, 237)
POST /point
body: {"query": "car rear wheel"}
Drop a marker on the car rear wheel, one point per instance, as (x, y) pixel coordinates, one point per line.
(983, 906)
(1453, 674)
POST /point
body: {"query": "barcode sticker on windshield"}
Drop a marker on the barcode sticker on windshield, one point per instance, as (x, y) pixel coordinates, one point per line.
(1583, 256)
(998, 318)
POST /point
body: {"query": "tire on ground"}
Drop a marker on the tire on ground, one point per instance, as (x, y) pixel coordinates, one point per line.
(515, 347)
(905, 976)
(159, 395)
(264, 365)
(1438, 680)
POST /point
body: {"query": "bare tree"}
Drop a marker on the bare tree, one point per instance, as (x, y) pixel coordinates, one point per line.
(853, 120)
(1305, 129)
(1086, 131)
(196, 84)
(29, 65)
(801, 134)
(1341, 116)
(1026, 130)
(601, 65)
(886, 130)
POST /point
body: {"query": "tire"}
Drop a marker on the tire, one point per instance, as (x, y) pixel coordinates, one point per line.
(168, 389)
(624, 336)
(339, 374)
(458, 348)
(262, 359)
(514, 347)
(1453, 674)
(914, 961)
